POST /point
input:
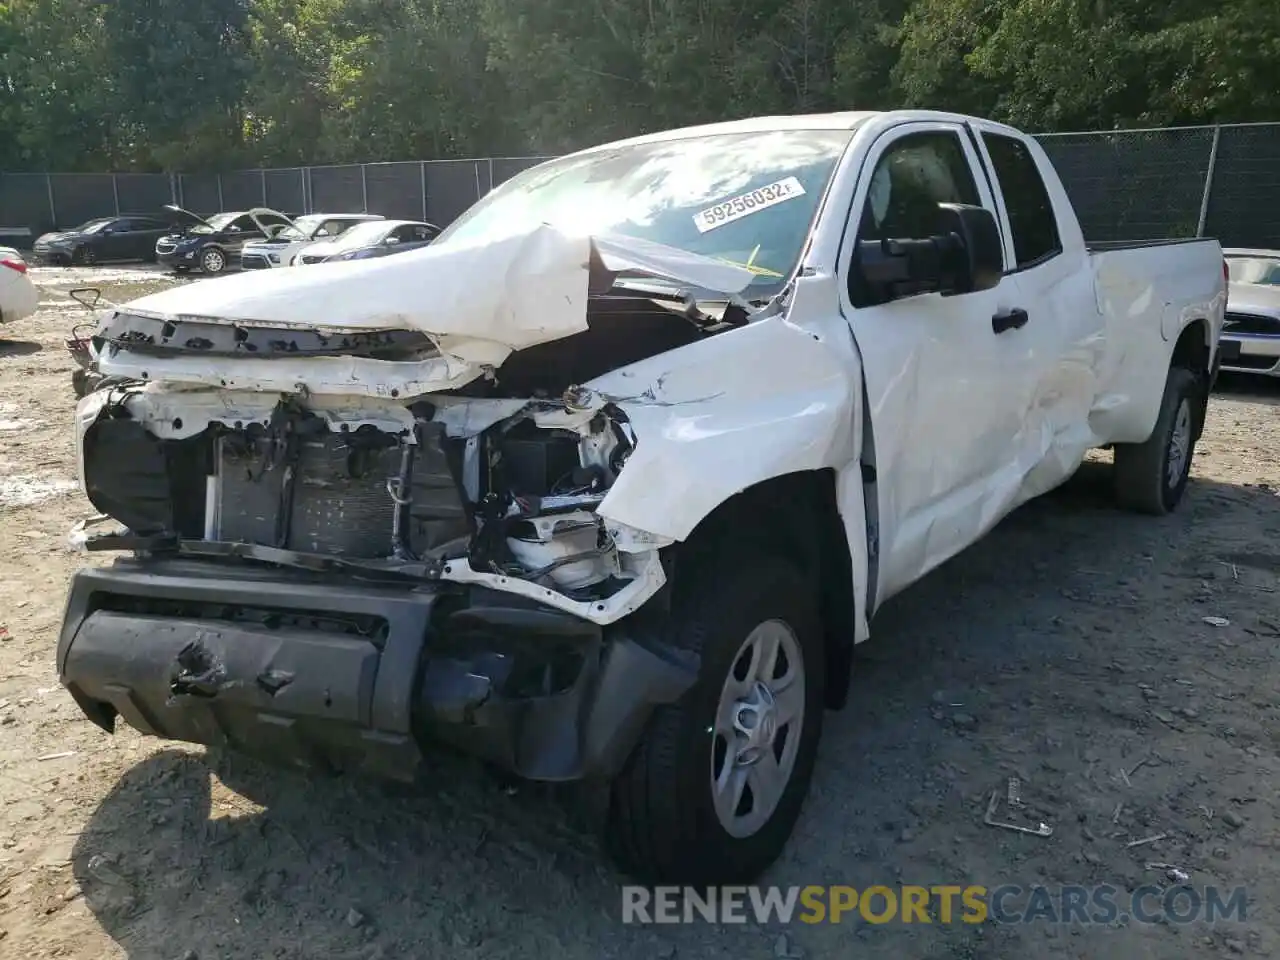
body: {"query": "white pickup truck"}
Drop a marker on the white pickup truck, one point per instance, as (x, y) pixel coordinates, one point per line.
(605, 484)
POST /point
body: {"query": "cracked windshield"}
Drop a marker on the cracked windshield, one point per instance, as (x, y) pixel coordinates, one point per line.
(745, 199)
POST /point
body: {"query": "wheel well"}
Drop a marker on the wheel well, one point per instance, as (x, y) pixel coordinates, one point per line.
(1192, 349)
(794, 516)
(1191, 352)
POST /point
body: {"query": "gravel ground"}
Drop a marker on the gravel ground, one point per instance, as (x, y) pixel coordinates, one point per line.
(1069, 649)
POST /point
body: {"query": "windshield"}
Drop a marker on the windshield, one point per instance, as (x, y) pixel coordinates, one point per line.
(743, 198)
(301, 229)
(1264, 270)
(93, 226)
(364, 235)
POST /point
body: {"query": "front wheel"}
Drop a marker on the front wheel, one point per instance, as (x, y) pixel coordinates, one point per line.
(1151, 477)
(213, 260)
(715, 787)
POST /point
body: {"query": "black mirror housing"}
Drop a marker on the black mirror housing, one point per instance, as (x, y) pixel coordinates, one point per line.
(966, 255)
(979, 237)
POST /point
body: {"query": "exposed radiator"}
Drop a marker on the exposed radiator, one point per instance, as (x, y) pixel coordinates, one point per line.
(341, 506)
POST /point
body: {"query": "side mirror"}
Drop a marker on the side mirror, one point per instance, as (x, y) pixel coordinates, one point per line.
(391, 241)
(966, 255)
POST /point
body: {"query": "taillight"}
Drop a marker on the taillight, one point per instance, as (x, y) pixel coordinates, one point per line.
(19, 265)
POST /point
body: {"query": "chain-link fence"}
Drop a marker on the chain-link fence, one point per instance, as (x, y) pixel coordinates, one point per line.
(433, 190)
(1221, 181)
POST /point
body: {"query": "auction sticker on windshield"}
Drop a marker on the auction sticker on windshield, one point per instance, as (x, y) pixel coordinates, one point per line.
(753, 201)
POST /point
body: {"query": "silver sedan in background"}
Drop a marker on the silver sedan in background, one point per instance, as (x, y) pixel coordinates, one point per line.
(1251, 331)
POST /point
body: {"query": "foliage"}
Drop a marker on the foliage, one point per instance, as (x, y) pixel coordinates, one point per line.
(168, 84)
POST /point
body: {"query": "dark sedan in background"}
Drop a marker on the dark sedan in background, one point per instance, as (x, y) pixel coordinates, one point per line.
(376, 239)
(103, 240)
(210, 246)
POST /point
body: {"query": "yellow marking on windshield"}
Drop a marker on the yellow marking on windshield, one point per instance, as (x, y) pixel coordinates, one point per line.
(752, 259)
(758, 271)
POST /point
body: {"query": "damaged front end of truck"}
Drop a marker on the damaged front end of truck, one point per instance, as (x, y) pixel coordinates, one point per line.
(351, 538)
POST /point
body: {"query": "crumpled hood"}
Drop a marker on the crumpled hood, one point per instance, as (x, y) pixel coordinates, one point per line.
(478, 301)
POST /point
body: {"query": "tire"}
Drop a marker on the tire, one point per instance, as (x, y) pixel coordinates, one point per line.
(212, 260)
(662, 825)
(1151, 477)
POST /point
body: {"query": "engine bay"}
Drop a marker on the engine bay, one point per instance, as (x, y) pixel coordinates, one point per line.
(496, 482)
(513, 502)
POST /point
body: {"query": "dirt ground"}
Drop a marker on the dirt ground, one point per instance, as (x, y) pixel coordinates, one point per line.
(1069, 649)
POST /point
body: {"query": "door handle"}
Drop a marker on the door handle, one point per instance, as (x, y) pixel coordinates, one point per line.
(1014, 319)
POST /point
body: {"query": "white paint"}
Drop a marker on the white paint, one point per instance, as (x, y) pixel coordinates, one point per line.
(478, 302)
(18, 295)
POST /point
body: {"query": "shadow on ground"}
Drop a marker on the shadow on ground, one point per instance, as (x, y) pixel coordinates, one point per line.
(18, 348)
(1019, 657)
(1252, 389)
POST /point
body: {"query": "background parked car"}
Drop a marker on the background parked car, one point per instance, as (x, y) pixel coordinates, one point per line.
(104, 239)
(210, 245)
(18, 296)
(367, 240)
(1251, 329)
(283, 248)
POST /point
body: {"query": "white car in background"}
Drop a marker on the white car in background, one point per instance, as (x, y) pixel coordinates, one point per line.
(283, 248)
(371, 240)
(18, 295)
(1251, 328)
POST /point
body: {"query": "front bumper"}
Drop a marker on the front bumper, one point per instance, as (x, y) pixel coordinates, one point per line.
(1250, 353)
(42, 254)
(287, 667)
(178, 258)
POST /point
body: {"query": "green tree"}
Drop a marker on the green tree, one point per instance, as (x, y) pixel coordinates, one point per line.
(179, 71)
(54, 103)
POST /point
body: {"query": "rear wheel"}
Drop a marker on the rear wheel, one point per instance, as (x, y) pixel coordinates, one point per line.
(713, 791)
(213, 260)
(1151, 477)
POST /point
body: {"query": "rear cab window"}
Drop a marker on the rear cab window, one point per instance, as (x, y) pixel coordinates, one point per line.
(1032, 222)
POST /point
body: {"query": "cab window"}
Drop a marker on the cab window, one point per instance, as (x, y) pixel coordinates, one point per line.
(1026, 200)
